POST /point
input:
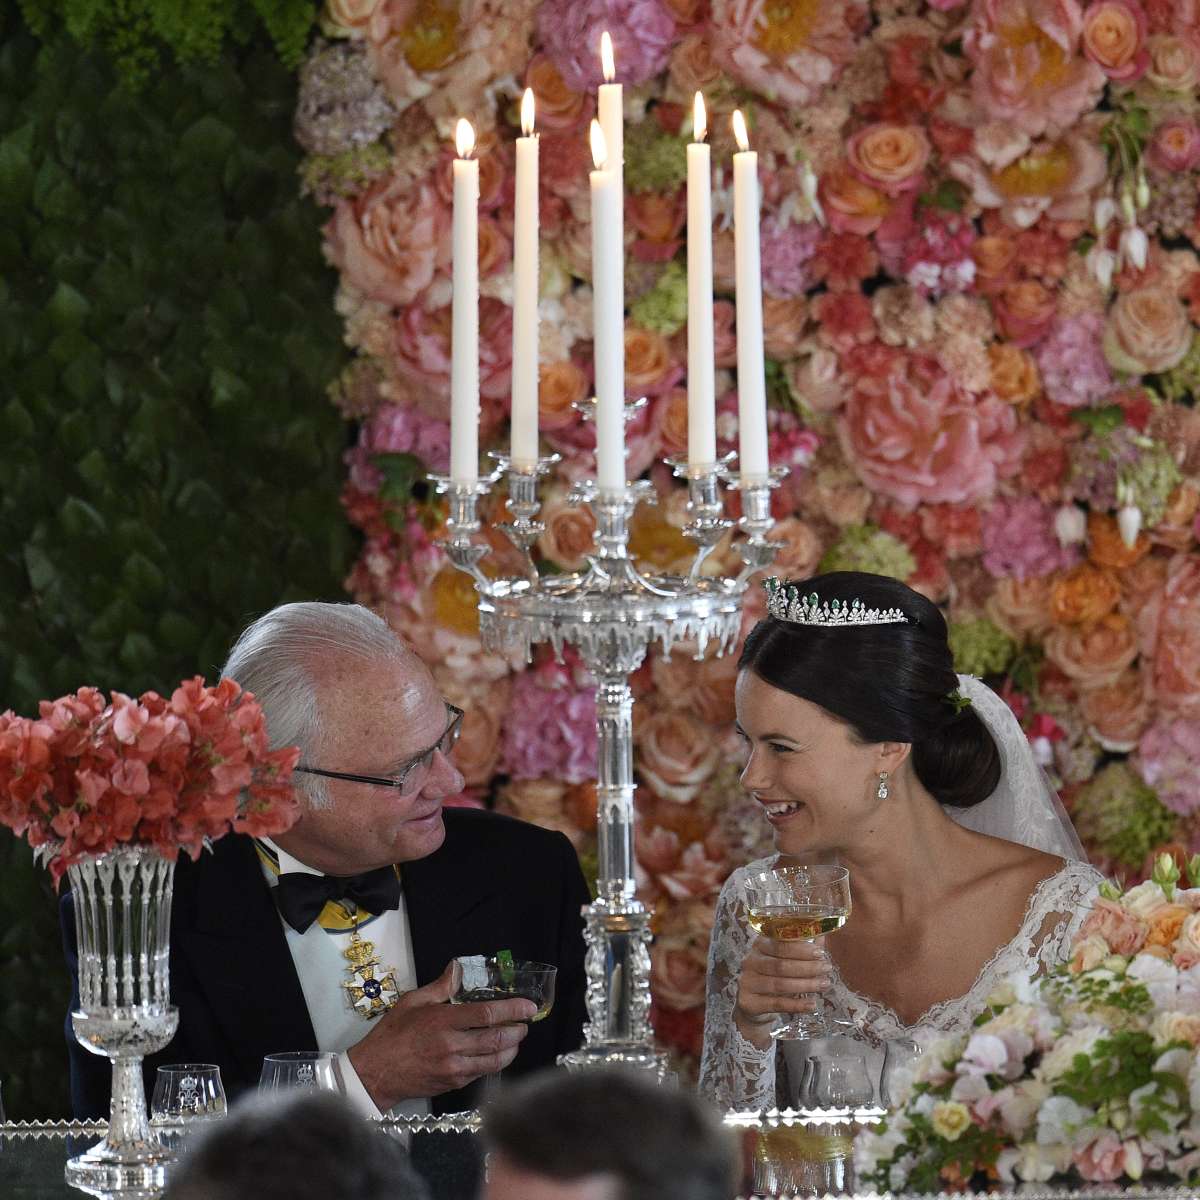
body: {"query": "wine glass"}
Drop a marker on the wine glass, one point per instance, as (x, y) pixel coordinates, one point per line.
(187, 1092)
(899, 1062)
(798, 904)
(307, 1069)
(841, 1081)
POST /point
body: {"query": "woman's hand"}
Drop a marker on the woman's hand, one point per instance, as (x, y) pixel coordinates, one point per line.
(778, 977)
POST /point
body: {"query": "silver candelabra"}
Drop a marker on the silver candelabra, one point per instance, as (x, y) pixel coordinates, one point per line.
(612, 612)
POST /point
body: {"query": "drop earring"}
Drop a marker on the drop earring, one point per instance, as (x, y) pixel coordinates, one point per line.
(882, 790)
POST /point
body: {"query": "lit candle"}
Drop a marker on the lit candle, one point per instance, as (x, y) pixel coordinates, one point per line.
(702, 434)
(464, 357)
(610, 110)
(608, 314)
(751, 378)
(525, 294)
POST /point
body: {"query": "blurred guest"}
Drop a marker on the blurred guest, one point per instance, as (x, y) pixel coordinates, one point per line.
(339, 934)
(312, 1146)
(605, 1134)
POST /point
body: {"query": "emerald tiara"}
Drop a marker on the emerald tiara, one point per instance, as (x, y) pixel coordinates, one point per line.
(785, 602)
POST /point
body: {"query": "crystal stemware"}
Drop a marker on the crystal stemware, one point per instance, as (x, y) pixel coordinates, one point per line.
(186, 1093)
(841, 1081)
(309, 1069)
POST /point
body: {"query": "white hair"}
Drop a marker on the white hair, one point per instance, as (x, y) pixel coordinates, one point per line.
(275, 659)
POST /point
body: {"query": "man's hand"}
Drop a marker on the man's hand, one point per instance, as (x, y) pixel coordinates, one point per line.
(778, 977)
(423, 1046)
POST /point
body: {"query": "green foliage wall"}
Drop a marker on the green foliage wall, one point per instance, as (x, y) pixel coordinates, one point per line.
(169, 463)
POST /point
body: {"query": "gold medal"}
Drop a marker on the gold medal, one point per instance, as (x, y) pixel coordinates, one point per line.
(371, 988)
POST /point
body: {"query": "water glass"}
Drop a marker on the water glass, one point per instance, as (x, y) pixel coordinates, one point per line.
(841, 1082)
(305, 1069)
(484, 977)
(899, 1063)
(187, 1092)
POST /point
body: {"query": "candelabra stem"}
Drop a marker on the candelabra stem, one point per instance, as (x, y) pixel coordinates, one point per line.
(614, 787)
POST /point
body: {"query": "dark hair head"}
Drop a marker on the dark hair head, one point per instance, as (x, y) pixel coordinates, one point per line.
(889, 683)
(313, 1145)
(659, 1144)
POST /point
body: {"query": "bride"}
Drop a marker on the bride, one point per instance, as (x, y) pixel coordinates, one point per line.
(865, 748)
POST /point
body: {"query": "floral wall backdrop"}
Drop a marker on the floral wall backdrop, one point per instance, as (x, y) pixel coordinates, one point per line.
(981, 334)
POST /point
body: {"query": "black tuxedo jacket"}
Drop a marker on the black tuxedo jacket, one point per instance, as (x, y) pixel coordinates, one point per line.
(494, 884)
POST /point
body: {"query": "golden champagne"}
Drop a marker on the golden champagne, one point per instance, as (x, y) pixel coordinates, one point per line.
(796, 922)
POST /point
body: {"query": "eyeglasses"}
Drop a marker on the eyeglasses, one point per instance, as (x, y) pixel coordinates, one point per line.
(443, 745)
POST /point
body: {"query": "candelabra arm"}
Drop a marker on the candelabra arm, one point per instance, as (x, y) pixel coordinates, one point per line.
(707, 524)
(756, 523)
(463, 525)
(524, 529)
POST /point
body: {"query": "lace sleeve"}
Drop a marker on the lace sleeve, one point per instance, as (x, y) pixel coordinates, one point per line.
(734, 1074)
(1058, 910)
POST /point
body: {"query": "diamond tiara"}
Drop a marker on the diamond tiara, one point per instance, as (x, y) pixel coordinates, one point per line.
(785, 602)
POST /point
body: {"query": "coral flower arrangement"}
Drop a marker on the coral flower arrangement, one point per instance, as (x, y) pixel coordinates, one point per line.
(1090, 1074)
(87, 774)
(981, 294)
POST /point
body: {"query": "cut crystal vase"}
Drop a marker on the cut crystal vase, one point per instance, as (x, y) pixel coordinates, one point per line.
(122, 923)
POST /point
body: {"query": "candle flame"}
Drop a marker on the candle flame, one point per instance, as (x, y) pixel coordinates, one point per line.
(527, 112)
(599, 146)
(607, 61)
(699, 119)
(739, 130)
(464, 138)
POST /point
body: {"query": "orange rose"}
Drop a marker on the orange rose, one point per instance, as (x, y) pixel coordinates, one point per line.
(677, 753)
(800, 548)
(783, 325)
(534, 800)
(889, 157)
(653, 539)
(560, 385)
(1166, 923)
(1106, 548)
(1112, 37)
(454, 601)
(557, 106)
(1093, 655)
(1117, 713)
(656, 216)
(1025, 308)
(1084, 593)
(478, 748)
(994, 259)
(1148, 331)
(851, 205)
(570, 531)
(671, 416)
(1021, 607)
(647, 360)
(692, 68)
(1014, 373)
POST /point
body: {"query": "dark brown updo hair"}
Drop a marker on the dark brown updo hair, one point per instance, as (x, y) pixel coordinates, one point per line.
(889, 683)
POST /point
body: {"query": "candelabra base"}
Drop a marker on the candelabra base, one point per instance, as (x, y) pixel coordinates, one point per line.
(633, 1055)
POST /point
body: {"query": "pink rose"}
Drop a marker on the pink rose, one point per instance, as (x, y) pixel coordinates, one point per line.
(677, 753)
(677, 974)
(1124, 933)
(1103, 1160)
(1174, 63)
(570, 531)
(1175, 146)
(889, 157)
(1114, 37)
(1148, 331)
(922, 439)
(389, 240)
(703, 688)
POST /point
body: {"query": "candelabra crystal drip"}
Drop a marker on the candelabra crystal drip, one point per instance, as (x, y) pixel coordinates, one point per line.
(611, 612)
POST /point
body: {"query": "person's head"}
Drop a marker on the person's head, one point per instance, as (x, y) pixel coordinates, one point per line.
(314, 1146)
(335, 680)
(605, 1134)
(826, 709)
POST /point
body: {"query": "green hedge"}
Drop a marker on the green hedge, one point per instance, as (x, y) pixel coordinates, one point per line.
(169, 462)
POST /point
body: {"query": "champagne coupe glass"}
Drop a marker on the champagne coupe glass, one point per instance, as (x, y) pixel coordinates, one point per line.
(899, 1063)
(186, 1093)
(308, 1069)
(798, 904)
(841, 1081)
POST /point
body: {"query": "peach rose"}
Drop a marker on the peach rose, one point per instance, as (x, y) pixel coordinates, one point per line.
(1117, 713)
(889, 157)
(852, 206)
(533, 800)
(1024, 311)
(1093, 655)
(692, 66)
(657, 218)
(835, 494)
(1114, 37)
(1176, 1027)
(799, 548)
(1166, 924)
(1124, 933)
(478, 749)
(649, 369)
(1148, 331)
(695, 875)
(1187, 944)
(1176, 530)
(677, 972)
(783, 325)
(570, 531)
(557, 106)
(1176, 145)
(1176, 648)
(1021, 607)
(724, 334)
(995, 260)
(1088, 952)
(386, 240)
(560, 385)
(701, 687)
(677, 754)
(671, 419)
(657, 849)
(1085, 593)
(1174, 63)
(816, 380)
(1106, 547)
(654, 539)
(351, 16)
(1014, 373)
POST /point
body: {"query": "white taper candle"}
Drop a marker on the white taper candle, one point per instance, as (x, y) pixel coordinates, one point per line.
(525, 293)
(702, 435)
(464, 353)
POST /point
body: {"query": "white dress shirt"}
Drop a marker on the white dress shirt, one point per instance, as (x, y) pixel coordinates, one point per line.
(317, 954)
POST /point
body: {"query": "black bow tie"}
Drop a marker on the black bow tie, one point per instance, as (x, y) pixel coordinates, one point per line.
(301, 897)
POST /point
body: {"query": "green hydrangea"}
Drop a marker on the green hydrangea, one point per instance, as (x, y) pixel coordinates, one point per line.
(868, 548)
(654, 161)
(664, 307)
(1121, 816)
(1150, 480)
(980, 647)
(328, 179)
(1182, 382)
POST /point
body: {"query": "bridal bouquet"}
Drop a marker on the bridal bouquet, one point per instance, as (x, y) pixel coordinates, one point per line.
(87, 774)
(1091, 1072)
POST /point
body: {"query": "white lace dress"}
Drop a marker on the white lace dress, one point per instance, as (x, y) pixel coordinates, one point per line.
(736, 1075)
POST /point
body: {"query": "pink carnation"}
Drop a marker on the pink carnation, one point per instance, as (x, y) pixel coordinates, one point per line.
(934, 256)
(1019, 540)
(1071, 359)
(1168, 758)
(550, 732)
(786, 252)
(642, 31)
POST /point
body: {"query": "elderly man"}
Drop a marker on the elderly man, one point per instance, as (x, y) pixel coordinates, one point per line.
(340, 934)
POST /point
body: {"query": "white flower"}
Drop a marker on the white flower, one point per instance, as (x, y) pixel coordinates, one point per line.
(985, 1054)
(1103, 264)
(1059, 1119)
(1135, 246)
(970, 1088)
(1032, 1163)
(1020, 1106)
(1144, 900)
(1070, 525)
(1188, 998)
(1060, 1060)
(1193, 1082)
(1103, 212)
(1160, 978)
